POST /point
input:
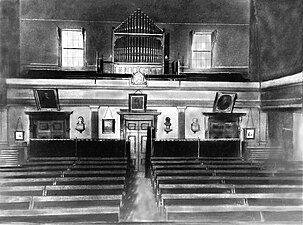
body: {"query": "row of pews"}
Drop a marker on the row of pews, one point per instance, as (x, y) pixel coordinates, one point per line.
(63, 190)
(189, 189)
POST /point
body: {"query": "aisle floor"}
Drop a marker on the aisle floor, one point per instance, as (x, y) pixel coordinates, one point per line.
(140, 204)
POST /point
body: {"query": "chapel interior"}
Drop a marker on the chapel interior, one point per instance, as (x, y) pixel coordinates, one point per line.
(151, 112)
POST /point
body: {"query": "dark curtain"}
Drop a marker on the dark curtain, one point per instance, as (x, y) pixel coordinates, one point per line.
(276, 38)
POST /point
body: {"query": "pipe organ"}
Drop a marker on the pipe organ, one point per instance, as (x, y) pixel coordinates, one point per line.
(138, 45)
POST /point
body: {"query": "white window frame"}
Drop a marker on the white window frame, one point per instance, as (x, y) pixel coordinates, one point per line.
(209, 51)
(62, 48)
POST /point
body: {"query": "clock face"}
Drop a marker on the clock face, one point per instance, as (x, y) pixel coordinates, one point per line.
(224, 102)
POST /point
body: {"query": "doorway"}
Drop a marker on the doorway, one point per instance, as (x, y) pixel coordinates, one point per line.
(134, 127)
(136, 134)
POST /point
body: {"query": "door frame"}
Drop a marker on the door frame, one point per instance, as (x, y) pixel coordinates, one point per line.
(148, 115)
(137, 135)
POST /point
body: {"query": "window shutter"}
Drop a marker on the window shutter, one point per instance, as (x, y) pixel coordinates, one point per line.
(59, 38)
(191, 35)
(213, 38)
(59, 33)
(83, 34)
(166, 45)
(84, 45)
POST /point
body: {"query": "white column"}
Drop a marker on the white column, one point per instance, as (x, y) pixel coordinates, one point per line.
(181, 121)
(94, 121)
(4, 126)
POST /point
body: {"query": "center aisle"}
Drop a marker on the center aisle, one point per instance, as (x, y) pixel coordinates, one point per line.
(140, 204)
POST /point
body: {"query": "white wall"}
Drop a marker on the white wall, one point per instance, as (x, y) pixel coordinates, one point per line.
(298, 136)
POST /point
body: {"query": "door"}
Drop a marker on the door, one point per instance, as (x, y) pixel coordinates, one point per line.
(136, 133)
(50, 129)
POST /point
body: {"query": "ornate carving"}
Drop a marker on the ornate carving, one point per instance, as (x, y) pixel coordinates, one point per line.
(138, 78)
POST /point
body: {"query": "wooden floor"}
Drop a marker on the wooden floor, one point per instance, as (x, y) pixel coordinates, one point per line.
(140, 204)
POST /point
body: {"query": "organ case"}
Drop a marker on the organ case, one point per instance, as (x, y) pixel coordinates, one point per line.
(138, 45)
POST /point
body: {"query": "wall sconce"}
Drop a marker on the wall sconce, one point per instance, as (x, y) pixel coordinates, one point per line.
(195, 126)
(80, 126)
(167, 125)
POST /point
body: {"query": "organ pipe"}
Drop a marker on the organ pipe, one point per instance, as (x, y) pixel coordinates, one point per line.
(138, 40)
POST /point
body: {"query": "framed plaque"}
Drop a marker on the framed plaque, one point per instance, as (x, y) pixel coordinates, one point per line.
(47, 99)
(137, 102)
(224, 102)
(19, 135)
(108, 126)
(249, 133)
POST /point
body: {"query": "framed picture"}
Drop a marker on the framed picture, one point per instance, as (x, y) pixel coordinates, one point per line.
(224, 102)
(47, 99)
(137, 102)
(249, 133)
(108, 126)
(19, 135)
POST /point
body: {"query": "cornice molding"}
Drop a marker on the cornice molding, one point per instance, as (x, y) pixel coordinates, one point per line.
(288, 81)
(124, 103)
(125, 84)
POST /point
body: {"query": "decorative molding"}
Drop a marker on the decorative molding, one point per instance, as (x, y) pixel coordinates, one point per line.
(230, 67)
(284, 81)
(282, 103)
(298, 106)
(94, 108)
(124, 103)
(118, 84)
(181, 108)
(118, 22)
(138, 79)
(282, 93)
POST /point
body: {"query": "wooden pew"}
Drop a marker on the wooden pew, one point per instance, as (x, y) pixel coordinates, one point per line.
(117, 189)
(236, 213)
(242, 172)
(185, 184)
(67, 173)
(221, 158)
(206, 165)
(178, 160)
(93, 173)
(56, 215)
(75, 190)
(31, 174)
(202, 162)
(34, 168)
(90, 159)
(22, 190)
(62, 181)
(59, 190)
(99, 167)
(26, 181)
(14, 202)
(89, 180)
(62, 168)
(232, 199)
(227, 180)
(199, 158)
(51, 159)
(74, 201)
(227, 188)
(224, 188)
(48, 163)
(67, 161)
